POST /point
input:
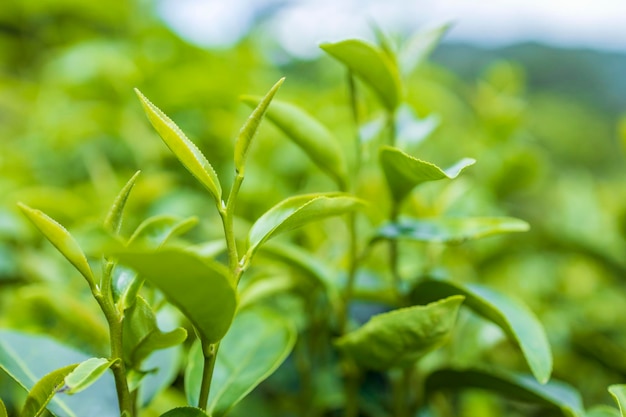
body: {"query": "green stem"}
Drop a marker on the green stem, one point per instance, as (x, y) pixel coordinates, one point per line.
(210, 354)
(357, 122)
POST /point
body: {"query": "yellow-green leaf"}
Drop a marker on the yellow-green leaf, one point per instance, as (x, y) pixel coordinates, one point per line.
(113, 220)
(3, 410)
(619, 394)
(43, 391)
(184, 149)
(419, 46)
(85, 374)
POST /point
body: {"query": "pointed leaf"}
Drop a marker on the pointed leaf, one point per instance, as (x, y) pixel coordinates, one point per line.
(201, 289)
(185, 412)
(310, 135)
(183, 148)
(403, 172)
(113, 220)
(43, 391)
(240, 367)
(297, 211)
(249, 129)
(514, 318)
(450, 230)
(400, 337)
(417, 48)
(85, 374)
(372, 66)
(553, 395)
(619, 393)
(61, 239)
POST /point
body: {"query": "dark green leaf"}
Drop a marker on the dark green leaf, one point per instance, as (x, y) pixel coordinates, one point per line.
(249, 129)
(419, 46)
(450, 230)
(619, 393)
(201, 289)
(297, 211)
(372, 66)
(554, 395)
(404, 172)
(240, 367)
(400, 337)
(185, 412)
(85, 374)
(43, 391)
(514, 318)
(184, 149)
(113, 220)
(310, 135)
(61, 239)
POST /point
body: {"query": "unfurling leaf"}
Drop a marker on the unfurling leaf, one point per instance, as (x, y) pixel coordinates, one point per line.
(404, 172)
(310, 135)
(201, 289)
(61, 239)
(249, 129)
(85, 374)
(113, 220)
(514, 318)
(400, 337)
(372, 65)
(183, 148)
(43, 391)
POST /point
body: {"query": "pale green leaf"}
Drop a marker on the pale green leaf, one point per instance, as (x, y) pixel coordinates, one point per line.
(185, 412)
(514, 318)
(400, 337)
(310, 135)
(113, 220)
(202, 289)
(404, 172)
(43, 391)
(184, 149)
(619, 394)
(554, 395)
(61, 239)
(156, 230)
(249, 129)
(297, 211)
(450, 230)
(85, 374)
(240, 367)
(372, 65)
(603, 411)
(416, 49)
(263, 288)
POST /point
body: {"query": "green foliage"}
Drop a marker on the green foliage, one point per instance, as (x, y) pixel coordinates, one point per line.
(619, 394)
(85, 374)
(42, 392)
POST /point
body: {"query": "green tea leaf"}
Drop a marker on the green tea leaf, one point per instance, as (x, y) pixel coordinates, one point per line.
(43, 391)
(240, 367)
(415, 50)
(403, 172)
(85, 374)
(553, 395)
(156, 230)
(297, 211)
(400, 337)
(3, 410)
(372, 66)
(619, 393)
(310, 135)
(450, 230)
(141, 334)
(603, 411)
(201, 289)
(113, 220)
(62, 240)
(26, 358)
(514, 318)
(185, 412)
(249, 129)
(185, 150)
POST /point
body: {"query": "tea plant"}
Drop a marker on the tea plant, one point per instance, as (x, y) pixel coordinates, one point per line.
(229, 290)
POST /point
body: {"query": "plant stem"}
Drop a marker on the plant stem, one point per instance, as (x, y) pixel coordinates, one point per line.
(210, 354)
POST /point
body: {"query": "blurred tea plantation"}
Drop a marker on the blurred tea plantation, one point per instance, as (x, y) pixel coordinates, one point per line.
(549, 148)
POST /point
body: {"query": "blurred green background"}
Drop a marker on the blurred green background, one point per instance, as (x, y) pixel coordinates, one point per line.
(544, 124)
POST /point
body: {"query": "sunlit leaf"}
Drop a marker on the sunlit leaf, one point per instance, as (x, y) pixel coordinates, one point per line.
(400, 337)
(297, 211)
(310, 135)
(603, 411)
(61, 239)
(249, 129)
(201, 289)
(43, 391)
(450, 230)
(156, 230)
(619, 394)
(85, 374)
(419, 46)
(113, 220)
(514, 318)
(370, 64)
(554, 395)
(183, 148)
(185, 412)
(240, 367)
(403, 172)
